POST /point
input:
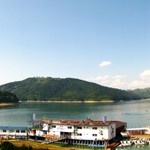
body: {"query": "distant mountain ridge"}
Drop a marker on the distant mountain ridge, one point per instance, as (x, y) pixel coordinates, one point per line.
(145, 93)
(68, 89)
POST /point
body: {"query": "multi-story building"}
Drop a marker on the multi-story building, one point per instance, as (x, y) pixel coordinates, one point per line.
(80, 132)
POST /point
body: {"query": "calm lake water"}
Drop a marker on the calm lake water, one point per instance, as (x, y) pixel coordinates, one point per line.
(135, 113)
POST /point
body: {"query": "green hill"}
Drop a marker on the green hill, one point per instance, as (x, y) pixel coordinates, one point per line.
(68, 89)
(7, 97)
(145, 93)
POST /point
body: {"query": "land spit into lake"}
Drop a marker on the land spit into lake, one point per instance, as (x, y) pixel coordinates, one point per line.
(6, 104)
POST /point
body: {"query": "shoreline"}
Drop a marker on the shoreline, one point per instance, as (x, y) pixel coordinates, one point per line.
(76, 101)
(63, 101)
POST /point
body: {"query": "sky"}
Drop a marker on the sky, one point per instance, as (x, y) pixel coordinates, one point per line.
(102, 41)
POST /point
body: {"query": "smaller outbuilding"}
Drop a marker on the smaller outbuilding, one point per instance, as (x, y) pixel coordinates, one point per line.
(14, 132)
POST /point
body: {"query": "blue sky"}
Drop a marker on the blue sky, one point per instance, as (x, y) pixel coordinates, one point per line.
(101, 41)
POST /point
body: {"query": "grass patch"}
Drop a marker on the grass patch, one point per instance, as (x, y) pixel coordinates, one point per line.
(37, 145)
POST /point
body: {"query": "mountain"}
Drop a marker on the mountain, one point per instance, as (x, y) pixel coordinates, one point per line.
(145, 93)
(7, 97)
(68, 89)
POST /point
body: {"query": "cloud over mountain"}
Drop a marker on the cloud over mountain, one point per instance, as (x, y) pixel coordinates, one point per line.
(122, 82)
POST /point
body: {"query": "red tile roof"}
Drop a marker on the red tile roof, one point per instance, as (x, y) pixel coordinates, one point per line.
(87, 122)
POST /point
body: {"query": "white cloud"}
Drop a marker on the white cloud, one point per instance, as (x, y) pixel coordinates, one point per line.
(137, 84)
(105, 63)
(143, 81)
(145, 74)
(115, 81)
(119, 76)
(122, 81)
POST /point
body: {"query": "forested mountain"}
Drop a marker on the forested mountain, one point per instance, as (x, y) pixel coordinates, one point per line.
(7, 97)
(145, 93)
(68, 89)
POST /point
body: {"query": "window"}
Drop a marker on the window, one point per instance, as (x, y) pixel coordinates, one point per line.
(4, 130)
(11, 131)
(79, 127)
(17, 131)
(94, 134)
(23, 131)
(79, 134)
(94, 128)
(53, 126)
(69, 127)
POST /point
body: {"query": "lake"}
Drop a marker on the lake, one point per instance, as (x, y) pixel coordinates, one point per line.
(135, 113)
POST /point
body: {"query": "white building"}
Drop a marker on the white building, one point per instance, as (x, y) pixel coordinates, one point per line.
(87, 130)
(81, 130)
(13, 132)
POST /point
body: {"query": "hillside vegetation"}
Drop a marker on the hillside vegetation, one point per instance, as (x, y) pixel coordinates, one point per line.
(145, 93)
(7, 97)
(69, 89)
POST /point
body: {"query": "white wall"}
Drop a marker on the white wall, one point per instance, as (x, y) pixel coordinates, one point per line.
(62, 128)
(86, 133)
(13, 133)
